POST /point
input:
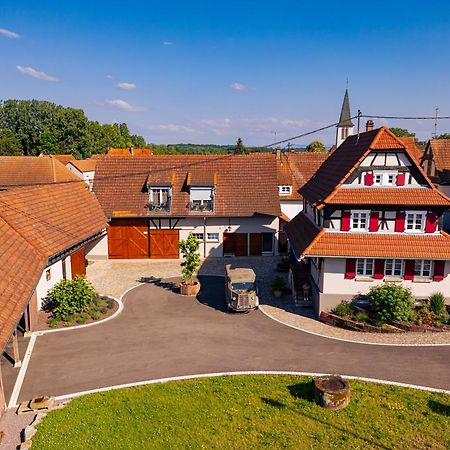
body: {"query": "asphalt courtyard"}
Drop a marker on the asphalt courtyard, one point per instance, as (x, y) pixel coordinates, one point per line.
(161, 334)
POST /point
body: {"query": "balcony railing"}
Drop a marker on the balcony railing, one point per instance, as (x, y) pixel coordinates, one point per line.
(163, 207)
(201, 206)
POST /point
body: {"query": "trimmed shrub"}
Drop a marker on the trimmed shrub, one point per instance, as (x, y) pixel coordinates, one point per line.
(344, 309)
(70, 297)
(391, 302)
(437, 303)
(361, 317)
(191, 258)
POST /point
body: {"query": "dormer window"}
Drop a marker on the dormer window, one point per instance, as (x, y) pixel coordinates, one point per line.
(160, 198)
(384, 179)
(285, 189)
(360, 220)
(201, 198)
(415, 221)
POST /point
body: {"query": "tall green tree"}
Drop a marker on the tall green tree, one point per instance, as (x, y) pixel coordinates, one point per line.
(9, 144)
(402, 132)
(47, 143)
(316, 147)
(240, 149)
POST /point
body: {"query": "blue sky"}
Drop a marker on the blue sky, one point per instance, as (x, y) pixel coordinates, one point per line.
(209, 72)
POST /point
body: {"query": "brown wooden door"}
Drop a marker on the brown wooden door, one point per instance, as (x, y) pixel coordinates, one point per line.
(228, 243)
(241, 247)
(255, 244)
(128, 238)
(164, 244)
(78, 263)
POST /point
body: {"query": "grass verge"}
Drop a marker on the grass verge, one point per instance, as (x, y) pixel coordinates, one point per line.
(248, 412)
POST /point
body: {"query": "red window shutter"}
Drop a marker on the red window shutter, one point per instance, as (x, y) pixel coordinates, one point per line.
(350, 268)
(345, 221)
(373, 225)
(400, 222)
(400, 179)
(431, 223)
(438, 270)
(409, 269)
(368, 179)
(379, 269)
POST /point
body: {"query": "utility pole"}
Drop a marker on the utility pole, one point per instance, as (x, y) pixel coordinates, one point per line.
(359, 125)
(436, 110)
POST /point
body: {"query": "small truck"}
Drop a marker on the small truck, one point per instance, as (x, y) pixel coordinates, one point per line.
(240, 289)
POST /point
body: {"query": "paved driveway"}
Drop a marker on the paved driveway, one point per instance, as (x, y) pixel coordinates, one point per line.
(162, 334)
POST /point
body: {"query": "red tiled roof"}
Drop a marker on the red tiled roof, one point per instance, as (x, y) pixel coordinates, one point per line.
(411, 145)
(246, 184)
(127, 152)
(307, 240)
(36, 223)
(390, 196)
(64, 159)
(296, 168)
(441, 153)
(339, 166)
(84, 165)
(32, 170)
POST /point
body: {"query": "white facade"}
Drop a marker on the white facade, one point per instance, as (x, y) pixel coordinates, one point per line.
(87, 177)
(291, 208)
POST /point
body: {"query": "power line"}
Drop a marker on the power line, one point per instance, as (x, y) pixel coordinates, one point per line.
(406, 117)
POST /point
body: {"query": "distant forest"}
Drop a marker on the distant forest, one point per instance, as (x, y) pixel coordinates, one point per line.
(32, 127)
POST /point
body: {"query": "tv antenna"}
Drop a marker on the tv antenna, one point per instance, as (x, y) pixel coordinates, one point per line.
(436, 110)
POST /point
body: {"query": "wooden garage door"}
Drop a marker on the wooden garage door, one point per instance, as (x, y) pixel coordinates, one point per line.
(255, 244)
(235, 243)
(128, 239)
(164, 244)
(78, 263)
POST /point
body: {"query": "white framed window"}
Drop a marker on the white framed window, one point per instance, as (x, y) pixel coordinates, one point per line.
(393, 267)
(422, 268)
(199, 236)
(360, 220)
(364, 267)
(415, 221)
(384, 178)
(212, 236)
(160, 198)
(285, 189)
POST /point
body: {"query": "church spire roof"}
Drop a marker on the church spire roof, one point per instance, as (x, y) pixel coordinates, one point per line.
(345, 118)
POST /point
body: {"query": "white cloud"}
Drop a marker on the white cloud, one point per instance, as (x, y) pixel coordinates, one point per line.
(9, 34)
(294, 123)
(110, 77)
(217, 123)
(167, 43)
(238, 87)
(126, 86)
(123, 105)
(36, 73)
(173, 128)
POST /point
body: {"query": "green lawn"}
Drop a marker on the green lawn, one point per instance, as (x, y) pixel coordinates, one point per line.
(248, 412)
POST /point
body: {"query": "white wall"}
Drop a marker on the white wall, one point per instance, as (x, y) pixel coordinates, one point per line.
(335, 282)
(56, 274)
(87, 177)
(97, 249)
(291, 208)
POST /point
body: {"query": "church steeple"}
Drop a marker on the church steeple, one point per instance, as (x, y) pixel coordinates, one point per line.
(344, 128)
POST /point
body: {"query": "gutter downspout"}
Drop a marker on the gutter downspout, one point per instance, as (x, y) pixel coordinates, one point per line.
(204, 237)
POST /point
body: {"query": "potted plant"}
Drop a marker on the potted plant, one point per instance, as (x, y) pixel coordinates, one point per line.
(191, 262)
(278, 285)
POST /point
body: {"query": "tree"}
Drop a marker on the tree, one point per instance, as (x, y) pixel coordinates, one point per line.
(402, 132)
(391, 302)
(191, 258)
(47, 143)
(240, 149)
(316, 147)
(443, 136)
(9, 144)
(137, 141)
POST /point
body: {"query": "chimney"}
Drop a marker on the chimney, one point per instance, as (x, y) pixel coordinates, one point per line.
(278, 153)
(132, 151)
(369, 125)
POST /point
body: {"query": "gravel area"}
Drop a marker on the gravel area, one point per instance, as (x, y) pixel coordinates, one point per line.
(114, 277)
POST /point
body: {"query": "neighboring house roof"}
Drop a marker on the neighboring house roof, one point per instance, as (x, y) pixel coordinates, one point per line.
(64, 159)
(345, 117)
(130, 151)
(32, 170)
(296, 168)
(84, 165)
(245, 185)
(441, 153)
(338, 167)
(308, 240)
(37, 223)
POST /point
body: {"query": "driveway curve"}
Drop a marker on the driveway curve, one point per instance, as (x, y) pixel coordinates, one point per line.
(161, 334)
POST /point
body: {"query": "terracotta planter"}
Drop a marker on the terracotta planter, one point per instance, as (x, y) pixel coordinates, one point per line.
(189, 289)
(331, 392)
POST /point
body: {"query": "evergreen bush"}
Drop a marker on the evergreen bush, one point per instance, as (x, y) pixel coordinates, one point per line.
(391, 302)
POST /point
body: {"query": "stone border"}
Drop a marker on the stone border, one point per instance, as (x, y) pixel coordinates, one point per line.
(262, 309)
(249, 372)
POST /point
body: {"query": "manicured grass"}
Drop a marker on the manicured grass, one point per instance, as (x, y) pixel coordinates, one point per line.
(240, 412)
